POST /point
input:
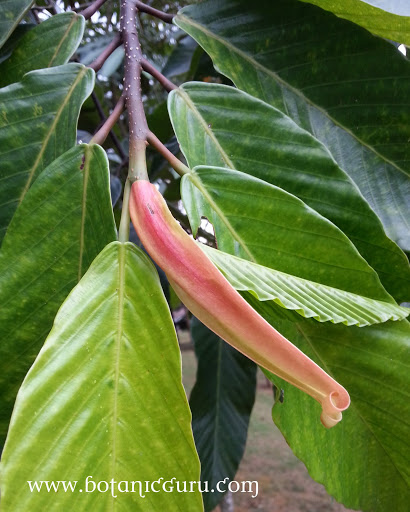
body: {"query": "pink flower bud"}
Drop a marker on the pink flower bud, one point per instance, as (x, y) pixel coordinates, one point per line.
(210, 297)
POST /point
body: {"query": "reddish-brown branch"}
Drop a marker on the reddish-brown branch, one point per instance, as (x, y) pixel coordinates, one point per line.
(173, 161)
(98, 63)
(106, 128)
(163, 80)
(163, 16)
(92, 9)
(138, 127)
(103, 117)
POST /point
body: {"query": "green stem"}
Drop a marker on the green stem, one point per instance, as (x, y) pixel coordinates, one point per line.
(124, 231)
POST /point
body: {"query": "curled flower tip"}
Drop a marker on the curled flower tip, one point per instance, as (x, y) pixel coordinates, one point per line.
(211, 298)
(333, 405)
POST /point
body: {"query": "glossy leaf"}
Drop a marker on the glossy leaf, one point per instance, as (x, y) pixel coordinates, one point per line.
(336, 80)
(309, 299)
(105, 398)
(385, 18)
(221, 126)
(11, 12)
(282, 232)
(38, 121)
(372, 365)
(64, 221)
(363, 461)
(49, 44)
(221, 402)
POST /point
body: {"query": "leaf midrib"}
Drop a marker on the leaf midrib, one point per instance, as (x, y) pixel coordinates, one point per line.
(64, 37)
(198, 183)
(59, 112)
(190, 104)
(121, 292)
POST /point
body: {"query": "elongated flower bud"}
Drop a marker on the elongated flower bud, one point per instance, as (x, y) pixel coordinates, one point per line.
(210, 297)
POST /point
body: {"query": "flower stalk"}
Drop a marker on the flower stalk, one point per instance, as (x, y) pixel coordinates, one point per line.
(210, 297)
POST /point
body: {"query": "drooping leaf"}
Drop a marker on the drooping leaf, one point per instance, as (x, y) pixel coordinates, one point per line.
(281, 232)
(38, 121)
(221, 403)
(334, 79)
(309, 299)
(363, 460)
(11, 12)
(64, 221)
(105, 398)
(49, 44)
(180, 60)
(221, 126)
(113, 62)
(385, 18)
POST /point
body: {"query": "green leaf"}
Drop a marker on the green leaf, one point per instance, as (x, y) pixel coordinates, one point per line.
(363, 461)
(345, 86)
(7, 49)
(222, 126)
(11, 12)
(38, 121)
(221, 403)
(64, 221)
(180, 60)
(393, 24)
(281, 232)
(105, 398)
(112, 63)
(309, 299)
(49, 44)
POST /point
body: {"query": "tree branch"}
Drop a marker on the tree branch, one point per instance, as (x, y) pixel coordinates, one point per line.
(92, 9)
(173, 161)
(108, 125)
(103, 117)
(163, 80)
(163, 16)
(138, 126)
(98, 63)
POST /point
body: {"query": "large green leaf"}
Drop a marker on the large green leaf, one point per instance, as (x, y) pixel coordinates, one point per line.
(333, 78)
(64, 221)
(309, 299)
(11, 12)
(363, 461)
(222, 126)
(38, 121)
(262, 223)
(49, 44)
(360, 461)
(105, 398)
(221, 403)
(393, 24)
